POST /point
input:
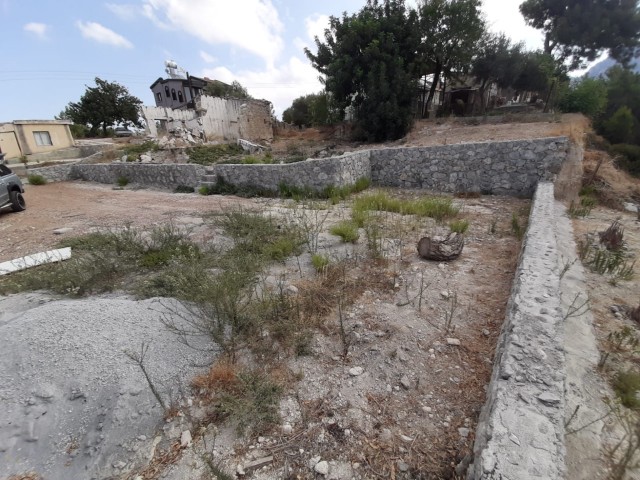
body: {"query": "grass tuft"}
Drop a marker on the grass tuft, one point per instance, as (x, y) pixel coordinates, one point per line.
(347, 231)
(35, 179)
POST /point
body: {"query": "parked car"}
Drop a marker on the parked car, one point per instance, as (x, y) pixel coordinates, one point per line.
(122, 132)
(11, 190)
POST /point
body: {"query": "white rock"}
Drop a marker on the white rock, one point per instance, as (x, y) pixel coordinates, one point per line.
(405, 438)
(119, 465)
(313, 461)
(405, 382)
(185, 439)
(356, 371)
(322, 467)
(287, 429)
(444, 294)
(291, 290)
(453, 341)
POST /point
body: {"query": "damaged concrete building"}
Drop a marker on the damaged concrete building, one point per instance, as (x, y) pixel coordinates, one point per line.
(183, 110)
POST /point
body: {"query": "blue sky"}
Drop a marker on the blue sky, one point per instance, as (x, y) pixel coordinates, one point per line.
(54, 48)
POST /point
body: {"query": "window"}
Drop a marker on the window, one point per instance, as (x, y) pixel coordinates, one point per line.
(4, 170)
(166, 92)
(159, 96)
(43, 139)
(180, 97)
(173, 94)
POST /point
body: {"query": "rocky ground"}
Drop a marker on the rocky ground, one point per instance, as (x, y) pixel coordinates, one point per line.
(397, 397)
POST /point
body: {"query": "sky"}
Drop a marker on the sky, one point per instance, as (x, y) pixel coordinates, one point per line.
(55, 48)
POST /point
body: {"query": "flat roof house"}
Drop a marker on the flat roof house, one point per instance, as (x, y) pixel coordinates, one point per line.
(28, 137)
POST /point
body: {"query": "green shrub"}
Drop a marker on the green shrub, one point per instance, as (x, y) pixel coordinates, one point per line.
(626, 386)
(123, 181)
(346, 230)
(319, 262)
(212, 154)
(134, 151)
(184, 189)
(36, 179)
(588, 96)
(620, 127)
(459, 226)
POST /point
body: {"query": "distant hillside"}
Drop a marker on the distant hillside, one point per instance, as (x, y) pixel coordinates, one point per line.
(601, 68)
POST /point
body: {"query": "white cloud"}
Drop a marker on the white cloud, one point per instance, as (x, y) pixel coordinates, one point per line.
(280, 85)
(101, 34)
(251, 25)
(504, 16)
(207, 58)
(38, 29)
(124, 11)
(316, 25)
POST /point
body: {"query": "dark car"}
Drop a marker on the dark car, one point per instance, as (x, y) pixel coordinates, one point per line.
(122, 132)
(11, 190)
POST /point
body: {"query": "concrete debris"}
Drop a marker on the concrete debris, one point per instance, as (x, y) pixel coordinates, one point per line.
(185, 439)
(247, 146)
(322, 468)
(405, 382)
(356, 371)
(453, 342)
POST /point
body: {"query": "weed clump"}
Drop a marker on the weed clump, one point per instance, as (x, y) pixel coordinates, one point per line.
(459, 226)
(247, 398)
(212, 154)
(438, 208)
(35, 179)
(122, 181)
(319, 262)
(184, 189)
(346, 230)
(626, 386)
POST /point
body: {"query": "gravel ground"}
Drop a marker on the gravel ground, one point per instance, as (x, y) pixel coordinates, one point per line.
(73, 404)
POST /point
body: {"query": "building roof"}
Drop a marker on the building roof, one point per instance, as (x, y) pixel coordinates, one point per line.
(195, 81)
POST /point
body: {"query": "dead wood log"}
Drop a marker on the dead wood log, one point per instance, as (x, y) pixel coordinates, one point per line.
(441, 248)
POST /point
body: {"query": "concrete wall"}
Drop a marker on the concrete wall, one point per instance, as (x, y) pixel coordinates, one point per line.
(520, 433)
(217, 119)
(316, 174)
(511, 168)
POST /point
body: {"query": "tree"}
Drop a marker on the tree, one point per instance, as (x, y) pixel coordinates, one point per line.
(217, 88)
(537, 73)
(368, 62)
(499, 61)
(619, 128)
(579, 30)
(623, 92)
(588, 96)
(106, 104)
(313, 109)
(450, 33)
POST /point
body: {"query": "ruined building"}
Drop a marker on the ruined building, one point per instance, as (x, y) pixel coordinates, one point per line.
(183, 110)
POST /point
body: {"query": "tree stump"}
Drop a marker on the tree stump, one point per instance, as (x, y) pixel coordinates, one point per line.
(441, 248)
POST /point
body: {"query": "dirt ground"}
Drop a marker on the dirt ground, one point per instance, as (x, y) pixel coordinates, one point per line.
(404, 401)
(83, 207)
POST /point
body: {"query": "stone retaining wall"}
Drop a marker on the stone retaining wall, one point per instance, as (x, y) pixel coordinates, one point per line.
(509, 168)
(316, 174)
(504, 168)
(520, 433)
(163, 176)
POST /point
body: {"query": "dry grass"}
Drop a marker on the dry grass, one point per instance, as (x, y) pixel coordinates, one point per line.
(614, 185)
(25, 476)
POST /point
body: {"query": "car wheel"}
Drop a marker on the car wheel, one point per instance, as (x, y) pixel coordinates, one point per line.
(17, 201)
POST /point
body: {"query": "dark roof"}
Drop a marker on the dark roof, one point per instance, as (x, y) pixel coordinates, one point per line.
(195, 81)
